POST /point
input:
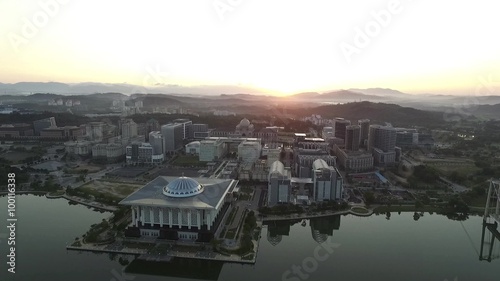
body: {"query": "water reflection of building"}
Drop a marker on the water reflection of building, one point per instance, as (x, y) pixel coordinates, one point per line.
(178, 268)
(276, 230)
(323, 227)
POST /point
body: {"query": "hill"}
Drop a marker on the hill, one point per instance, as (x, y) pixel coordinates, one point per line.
(377, 113)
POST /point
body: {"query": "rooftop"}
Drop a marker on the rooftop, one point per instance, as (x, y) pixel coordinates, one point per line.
(158, 193)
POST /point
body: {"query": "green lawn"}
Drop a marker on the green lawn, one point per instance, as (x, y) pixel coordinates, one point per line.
(461, 169)
(478, 201)
(17, 157)
(118, 190)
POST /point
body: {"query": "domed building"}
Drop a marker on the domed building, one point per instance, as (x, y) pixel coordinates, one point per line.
(179, 208)
(245, 128)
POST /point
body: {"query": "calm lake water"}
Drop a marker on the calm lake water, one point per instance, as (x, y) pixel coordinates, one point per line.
(373, 248)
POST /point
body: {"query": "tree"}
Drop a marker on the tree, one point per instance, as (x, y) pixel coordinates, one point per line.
(369, 198)
(418, 204)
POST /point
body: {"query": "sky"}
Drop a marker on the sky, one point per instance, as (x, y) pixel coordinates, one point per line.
(280, 46)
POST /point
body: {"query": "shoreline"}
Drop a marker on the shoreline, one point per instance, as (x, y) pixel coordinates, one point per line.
(78, 200)
(312, 216)
(371, 211)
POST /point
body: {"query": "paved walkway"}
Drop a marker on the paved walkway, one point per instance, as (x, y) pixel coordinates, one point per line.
(89, 203)
(326, 214)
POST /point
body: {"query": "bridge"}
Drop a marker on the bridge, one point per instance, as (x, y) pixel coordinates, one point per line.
(492, 208)
(491, 219)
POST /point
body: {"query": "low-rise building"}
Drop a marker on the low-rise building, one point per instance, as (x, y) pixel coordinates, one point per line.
(354, 161)
(68, 132)
(82, 148)
(249, 151)
(110, 152)
(193, 148)
(211, 149)
(142, 153)
(186, 209)
(16, 130)
(304, 159)
(39, 125)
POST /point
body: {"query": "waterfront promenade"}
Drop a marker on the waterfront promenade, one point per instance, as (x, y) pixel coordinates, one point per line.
(368, 213)
(157, 254)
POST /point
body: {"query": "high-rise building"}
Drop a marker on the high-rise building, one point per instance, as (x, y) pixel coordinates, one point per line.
(273, 155)
(173, 134)
(364, 131)
(94, 131)
(279, 180)
(157, 142)
(128, 128)
(340, 125)
(186, 127)
(352, 137)
(327, 181)
(152, 125)
(382, 137)
(39, 125)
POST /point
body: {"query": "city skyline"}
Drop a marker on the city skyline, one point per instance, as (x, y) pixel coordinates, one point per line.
(279, 47)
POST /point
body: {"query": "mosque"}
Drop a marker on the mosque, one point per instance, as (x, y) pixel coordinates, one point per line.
(176, 208)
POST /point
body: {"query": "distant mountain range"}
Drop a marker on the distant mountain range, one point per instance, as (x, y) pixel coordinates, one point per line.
(338, 95)
(127, 89)
(229, 95)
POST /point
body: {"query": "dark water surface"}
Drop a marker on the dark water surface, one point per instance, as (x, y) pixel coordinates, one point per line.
(336, 248)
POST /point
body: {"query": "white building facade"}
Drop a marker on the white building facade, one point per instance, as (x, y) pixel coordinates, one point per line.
(186, 208)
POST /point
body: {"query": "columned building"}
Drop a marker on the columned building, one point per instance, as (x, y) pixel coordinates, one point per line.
(179, 208)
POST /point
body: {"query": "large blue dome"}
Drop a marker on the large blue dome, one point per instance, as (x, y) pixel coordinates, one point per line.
(182, 187)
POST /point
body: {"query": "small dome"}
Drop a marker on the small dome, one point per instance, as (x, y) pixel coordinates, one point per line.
(183, 187)
(244, 122)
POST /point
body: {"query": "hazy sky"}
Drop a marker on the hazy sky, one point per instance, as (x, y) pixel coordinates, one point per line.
(285, 46)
